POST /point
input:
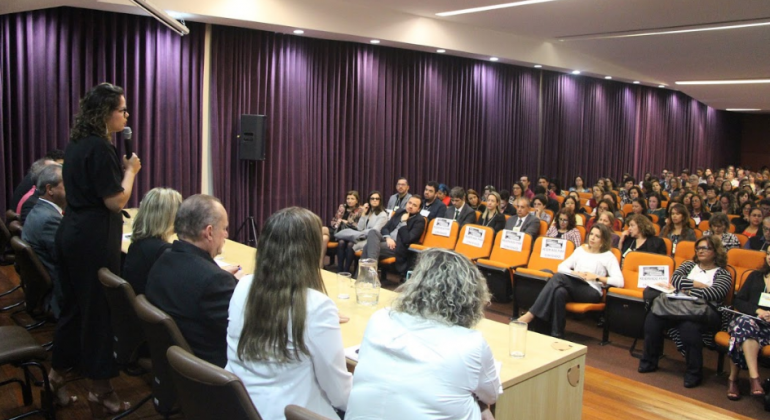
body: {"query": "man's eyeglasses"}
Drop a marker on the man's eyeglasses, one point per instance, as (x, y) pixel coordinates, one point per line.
(702, 248)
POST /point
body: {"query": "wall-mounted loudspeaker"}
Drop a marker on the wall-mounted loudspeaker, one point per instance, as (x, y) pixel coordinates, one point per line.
(251, 140)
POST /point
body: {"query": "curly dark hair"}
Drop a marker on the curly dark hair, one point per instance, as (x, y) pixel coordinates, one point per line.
(95, 109)
(714, 243)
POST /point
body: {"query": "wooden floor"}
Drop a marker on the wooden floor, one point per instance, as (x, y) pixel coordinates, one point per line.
(606, 396)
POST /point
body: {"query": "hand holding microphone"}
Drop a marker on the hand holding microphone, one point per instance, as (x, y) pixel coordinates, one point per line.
(131, 160)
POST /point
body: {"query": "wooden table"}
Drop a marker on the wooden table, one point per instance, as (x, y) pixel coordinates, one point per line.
(546, 384)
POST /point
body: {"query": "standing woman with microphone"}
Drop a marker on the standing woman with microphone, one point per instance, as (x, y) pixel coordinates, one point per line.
(98, 184)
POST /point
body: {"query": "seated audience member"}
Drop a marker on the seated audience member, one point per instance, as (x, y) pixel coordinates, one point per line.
(27, 184)
(605, 206)
(674, 190)
(657, 188)
(704, 277)
(743, 221)
(602, 184)
(608, 219)
(517, 190)
(374, 217)
(187, 283)
(760, 242)
(278, 363)
(635, 192)
(28, 200)
(613, 198)
(491, 217)
(41, 226)
(523, 220)
(570, 203)
(609, 185)
(474, 201)
(346, 218)
(654, 207)
(403, 229)
(564, 227)
(638, 207)
(443, 194)
(487, 189)
(580, 278)
(743, 197)
(432, 206)
(625, 192)
(539, 203)
(719, 226)
(598, 193)
(507, 207)
(747, 335)
(727, 204)
(677, 226)
(727, 187)
(550, 203)
(687, 199)
(640, 236)
(459, 211)
(711, 204)
(764, 205)
(421, 358)
(524, 181)
(545, 183)
(579, 185)
(153, 227)
(754, 227)
(398, 200)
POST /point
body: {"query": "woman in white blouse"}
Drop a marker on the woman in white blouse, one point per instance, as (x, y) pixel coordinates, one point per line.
(421, 359)
(280, 364)
(580, 278)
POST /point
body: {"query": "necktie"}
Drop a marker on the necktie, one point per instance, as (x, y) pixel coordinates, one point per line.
(518, 222)
(457, 213)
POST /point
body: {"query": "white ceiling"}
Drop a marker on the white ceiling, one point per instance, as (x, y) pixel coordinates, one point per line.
(524, 35)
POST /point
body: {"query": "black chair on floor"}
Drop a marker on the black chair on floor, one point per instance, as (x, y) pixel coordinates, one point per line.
(6, 254)
(207, 391)
(36, 282)
(15, 228)
(19, 348)
(161, 332)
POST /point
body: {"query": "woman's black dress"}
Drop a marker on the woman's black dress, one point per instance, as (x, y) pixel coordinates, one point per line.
(88, 239)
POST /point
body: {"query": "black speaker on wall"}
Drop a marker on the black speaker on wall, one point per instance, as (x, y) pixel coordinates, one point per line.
(251, 140)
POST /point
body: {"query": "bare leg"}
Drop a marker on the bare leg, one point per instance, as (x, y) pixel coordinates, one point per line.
(61, 396)
(734, 372)
(103, 400)
(750, 352)
(528, 317)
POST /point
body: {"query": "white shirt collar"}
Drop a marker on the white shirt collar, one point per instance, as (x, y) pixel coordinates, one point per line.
(59, 209)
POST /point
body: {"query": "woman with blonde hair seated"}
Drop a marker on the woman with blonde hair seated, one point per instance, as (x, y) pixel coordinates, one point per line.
(564, 227)
(580, 278)
(150, 234)
(421, 358)
(283, 337)
(491, 216)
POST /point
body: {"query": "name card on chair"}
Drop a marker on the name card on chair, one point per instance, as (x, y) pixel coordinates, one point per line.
(553, 248)
(652, 274)
(474, 236)
(442, 227)
(513, 241)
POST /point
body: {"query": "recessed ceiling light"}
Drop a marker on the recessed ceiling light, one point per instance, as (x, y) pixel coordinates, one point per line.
(608, 77)
(661, 86)
(723, 82)
(493, 7)
(671, 30)
(493, 58)
(743, 109)
(575, 71)
(440, 51)
(636, 82)
(375, 41)
(537, 66)
(299, 31)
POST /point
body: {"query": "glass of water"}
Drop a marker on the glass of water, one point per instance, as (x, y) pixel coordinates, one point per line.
(343, 286)
(517, 339)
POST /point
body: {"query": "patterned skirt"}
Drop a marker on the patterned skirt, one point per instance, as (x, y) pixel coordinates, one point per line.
(743, 328)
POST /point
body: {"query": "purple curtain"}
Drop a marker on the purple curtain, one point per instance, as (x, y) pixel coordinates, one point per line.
(599, 128)
(50, 58)
(349, 116)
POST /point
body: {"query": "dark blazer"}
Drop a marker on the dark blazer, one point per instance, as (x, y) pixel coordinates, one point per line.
(531, 225)
(653, 244)
(510, 210)
(40, 233)
(467, 215)
(28, 205)
(187, 284)
(140, 258)
(436, 209)
(756, 243)
(407, 235)
(21, 189)
(497, 223)
(747, 298)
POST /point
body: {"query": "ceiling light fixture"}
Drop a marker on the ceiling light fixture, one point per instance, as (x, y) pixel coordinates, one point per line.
(672, 30)
(661, 86)
(608, 77)
(492, 7)
(493, 58)
(636, 82)
(440, 51)
(375, 41)
(299, 31)
(537, 66)
(575, 71)
(722, 82)
(742, 109)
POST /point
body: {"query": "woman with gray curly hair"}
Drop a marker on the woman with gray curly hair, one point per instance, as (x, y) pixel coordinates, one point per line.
(421, 358)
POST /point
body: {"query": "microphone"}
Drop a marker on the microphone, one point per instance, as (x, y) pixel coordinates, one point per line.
(128, 144)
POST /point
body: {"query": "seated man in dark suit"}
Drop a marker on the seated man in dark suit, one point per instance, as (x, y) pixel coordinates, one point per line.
(26, 184)
(432, 207)
(459, 211)
(43, 222)
(759, 242)
(403, 229)
(523, 221)
(189, 285)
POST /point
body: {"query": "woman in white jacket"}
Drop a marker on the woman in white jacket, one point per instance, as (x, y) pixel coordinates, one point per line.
(580, 278)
